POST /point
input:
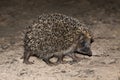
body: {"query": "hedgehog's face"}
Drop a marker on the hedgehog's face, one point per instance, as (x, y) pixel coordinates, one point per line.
(84, 45)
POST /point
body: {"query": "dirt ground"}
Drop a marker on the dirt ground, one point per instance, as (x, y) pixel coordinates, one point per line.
(102, 17)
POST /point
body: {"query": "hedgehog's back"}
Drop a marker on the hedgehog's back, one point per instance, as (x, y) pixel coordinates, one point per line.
(52, 33)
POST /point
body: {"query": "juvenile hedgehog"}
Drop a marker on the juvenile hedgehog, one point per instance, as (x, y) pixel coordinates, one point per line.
(56, 35)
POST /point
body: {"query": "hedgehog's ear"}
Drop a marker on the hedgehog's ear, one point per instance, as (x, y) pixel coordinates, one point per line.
(81, 36)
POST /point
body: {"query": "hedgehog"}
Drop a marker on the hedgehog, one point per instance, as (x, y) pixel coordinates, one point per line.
(56, 35)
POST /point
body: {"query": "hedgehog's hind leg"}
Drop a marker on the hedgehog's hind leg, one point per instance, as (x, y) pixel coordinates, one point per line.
(60, 59)
(47, 60)
(74, 58)
(26, 58)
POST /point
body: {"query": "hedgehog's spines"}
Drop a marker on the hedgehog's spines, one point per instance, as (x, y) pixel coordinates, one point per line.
(53, 34)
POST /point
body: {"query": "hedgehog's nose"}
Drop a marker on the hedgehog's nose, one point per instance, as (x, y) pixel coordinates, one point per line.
(89, 53)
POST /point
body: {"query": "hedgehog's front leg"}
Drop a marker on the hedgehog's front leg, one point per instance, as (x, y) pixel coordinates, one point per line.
(74, 58)
(26, 58)
(60, 59)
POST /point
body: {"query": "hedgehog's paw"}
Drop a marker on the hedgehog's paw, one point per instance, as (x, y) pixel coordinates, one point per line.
(46, 60)
(53, 64)
(64, 62)
(28, 62)
(73, 61)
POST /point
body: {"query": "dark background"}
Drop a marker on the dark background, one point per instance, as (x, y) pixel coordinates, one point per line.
(16, 14)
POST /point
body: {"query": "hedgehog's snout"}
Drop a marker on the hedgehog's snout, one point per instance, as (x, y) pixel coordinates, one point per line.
(85, 51)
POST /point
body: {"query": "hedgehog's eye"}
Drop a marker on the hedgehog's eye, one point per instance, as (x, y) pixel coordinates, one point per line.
(92, 40)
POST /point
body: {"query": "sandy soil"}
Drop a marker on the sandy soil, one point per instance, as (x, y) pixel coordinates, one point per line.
(103, 20)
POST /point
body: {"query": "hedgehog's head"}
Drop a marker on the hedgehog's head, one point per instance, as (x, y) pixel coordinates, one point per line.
(84, 43)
